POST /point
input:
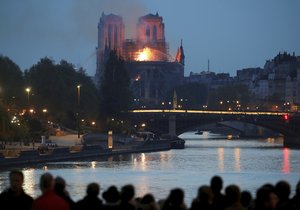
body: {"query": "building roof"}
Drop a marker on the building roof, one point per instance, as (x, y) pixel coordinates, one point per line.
(151, 16)
(110, 17)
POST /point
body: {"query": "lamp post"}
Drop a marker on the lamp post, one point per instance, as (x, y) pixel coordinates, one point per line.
(78, 95)
(28, 95)
(78, 104)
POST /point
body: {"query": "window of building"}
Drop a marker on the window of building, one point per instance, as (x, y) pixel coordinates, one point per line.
(148, 34)
(154, 33)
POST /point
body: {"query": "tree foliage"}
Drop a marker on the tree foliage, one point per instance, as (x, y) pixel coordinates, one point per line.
(114, 88)
(229, 96)
(12, 130)
(11, 82)
(54, 87)
(190, 96)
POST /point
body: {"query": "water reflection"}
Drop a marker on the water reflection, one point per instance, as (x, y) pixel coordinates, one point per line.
(248, 163)
(142, 185)
(221, 159)
(93, 164)
(237, 159)
(3, 181)
(165, 158)
(110, 159)
(286, 161)
(30, 181)
(140, 162)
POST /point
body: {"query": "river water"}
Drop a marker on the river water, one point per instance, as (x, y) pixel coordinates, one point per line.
(248, 163)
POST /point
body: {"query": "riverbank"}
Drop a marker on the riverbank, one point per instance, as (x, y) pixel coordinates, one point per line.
(68, 148)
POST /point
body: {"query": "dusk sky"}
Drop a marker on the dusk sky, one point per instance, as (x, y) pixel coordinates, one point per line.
(232, 34)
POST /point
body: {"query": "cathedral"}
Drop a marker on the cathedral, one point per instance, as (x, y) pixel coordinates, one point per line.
(153, 71)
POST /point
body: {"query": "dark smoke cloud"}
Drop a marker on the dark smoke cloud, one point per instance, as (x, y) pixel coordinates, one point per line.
(60, 29)
(87, 14)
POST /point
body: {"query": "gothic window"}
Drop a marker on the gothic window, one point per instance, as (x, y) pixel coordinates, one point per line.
(154, 33)
(148, 33)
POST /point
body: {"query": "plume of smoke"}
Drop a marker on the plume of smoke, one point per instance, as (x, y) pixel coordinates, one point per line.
(87, 14)
(59, 29)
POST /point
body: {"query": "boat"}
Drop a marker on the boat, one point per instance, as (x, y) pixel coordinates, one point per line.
(177, 144)
(199, 132)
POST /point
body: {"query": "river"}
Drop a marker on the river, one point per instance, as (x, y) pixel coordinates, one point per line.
(248, 163)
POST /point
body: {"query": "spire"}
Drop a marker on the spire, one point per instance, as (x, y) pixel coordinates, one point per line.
(180, 54)
(208, 65)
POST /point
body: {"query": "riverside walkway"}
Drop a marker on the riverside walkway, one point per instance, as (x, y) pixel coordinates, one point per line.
(68, 147)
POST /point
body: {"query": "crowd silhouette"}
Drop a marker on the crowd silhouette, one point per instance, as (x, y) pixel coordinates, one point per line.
(54, 196)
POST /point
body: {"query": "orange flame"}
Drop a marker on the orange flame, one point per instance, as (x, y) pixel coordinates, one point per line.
(145, 55)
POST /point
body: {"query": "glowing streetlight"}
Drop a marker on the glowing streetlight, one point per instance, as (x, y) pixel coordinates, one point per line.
(78, 103)
(78, 94)
(28, 94)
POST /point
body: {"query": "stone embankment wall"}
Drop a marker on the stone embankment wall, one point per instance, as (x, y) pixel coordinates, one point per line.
(27, 158)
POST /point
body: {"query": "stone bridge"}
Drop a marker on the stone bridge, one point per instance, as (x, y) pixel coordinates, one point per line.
(176, 122)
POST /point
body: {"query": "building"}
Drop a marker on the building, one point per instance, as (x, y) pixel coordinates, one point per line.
(276, 83)
(210, 79)
(152, 69)
(111, 31)
(298, 88)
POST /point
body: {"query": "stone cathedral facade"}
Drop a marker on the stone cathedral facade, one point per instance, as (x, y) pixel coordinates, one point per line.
(153, 71)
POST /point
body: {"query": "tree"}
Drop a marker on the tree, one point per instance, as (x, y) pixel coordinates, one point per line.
(12, 127)
(190, 96)
(11, 83)
(55, 88)
(234, 96)
(114, 88)
(4, 123)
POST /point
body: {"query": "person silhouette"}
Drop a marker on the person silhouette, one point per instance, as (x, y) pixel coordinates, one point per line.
(60, 190)
(175, 200)
(91, 201)
(14, 197)
(49, 200)
(112, 198)
(216, 185)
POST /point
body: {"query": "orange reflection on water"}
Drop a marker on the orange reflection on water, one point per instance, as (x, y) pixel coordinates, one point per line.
(165, 159)
(93, 164)
(30, 182)
(237, 159)
(142, 185)
(221, 158)
(140, 162)
(286, 161)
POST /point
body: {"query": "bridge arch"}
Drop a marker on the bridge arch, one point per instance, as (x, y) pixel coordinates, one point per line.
(175, 122)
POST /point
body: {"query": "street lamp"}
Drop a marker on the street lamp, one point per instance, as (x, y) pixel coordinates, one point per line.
(78, 95)
(78, 103)
(28, 94)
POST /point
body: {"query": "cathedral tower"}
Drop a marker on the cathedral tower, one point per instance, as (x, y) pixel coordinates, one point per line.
(110, 32)
(151, 33)
(110, 37)
(151, 28)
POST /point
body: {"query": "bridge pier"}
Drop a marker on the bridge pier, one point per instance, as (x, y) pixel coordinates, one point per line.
(172, 125)
(291, 141)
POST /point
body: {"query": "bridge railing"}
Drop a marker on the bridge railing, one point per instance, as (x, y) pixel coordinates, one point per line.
(216, 112)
